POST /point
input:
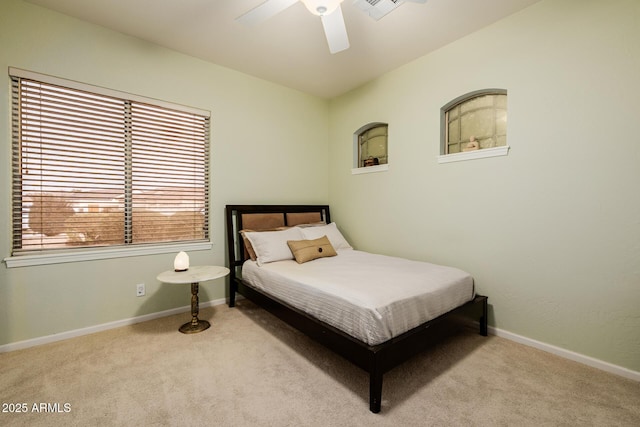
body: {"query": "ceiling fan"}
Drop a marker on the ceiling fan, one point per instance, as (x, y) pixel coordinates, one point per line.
(330, 13)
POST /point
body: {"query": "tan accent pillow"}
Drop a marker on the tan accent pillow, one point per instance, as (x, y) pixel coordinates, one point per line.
(248, 249)
(307, 250)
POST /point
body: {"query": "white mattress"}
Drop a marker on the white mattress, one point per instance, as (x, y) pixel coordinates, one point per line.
(370, 297)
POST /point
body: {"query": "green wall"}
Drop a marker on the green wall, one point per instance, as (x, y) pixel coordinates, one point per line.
(550, 232)
(255, 133)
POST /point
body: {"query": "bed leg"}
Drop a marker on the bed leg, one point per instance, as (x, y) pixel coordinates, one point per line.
(232, 293)
(375, 389)
(483, 318)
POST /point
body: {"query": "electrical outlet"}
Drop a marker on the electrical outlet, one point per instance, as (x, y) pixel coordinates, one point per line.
(140, 290)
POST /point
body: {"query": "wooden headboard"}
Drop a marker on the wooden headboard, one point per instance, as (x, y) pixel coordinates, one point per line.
(264, 217)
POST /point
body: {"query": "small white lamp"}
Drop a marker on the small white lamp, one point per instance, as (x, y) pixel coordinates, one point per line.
(181, 263)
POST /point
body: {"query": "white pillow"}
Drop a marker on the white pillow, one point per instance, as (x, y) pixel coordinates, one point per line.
(331, 231)
(271, 246)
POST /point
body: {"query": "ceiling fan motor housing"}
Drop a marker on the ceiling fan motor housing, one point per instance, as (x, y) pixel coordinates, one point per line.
(322, 7)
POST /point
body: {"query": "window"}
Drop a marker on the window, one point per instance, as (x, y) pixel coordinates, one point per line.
(370, 148)
(94, 167)
(475, 122)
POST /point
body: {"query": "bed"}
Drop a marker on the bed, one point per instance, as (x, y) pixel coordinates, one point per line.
(324, 297)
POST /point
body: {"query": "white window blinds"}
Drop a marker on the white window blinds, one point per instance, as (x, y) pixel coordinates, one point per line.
(95, 167)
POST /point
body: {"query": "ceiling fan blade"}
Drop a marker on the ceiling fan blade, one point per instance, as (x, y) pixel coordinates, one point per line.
(335, 31)
(265, 11)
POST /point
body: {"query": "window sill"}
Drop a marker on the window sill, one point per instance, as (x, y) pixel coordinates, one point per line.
(477, 154)
(102, 253)
(370, 169)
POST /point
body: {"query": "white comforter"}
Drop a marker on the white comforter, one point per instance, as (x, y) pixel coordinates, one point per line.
(370, 297)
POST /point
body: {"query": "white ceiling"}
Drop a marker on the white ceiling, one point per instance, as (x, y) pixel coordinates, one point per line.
(290, 48)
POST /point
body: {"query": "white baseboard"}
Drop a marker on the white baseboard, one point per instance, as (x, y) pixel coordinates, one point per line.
(558, 351)
(103, 327)
(577, 357)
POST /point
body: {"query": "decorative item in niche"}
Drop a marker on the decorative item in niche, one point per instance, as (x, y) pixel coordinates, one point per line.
(371, 161)
(472, 144)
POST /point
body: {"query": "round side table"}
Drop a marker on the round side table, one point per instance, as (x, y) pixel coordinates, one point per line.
(194, 275)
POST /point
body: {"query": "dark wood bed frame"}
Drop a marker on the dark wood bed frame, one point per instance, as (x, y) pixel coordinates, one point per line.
(376, 359)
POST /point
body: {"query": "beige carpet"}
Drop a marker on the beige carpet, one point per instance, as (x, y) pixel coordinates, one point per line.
(249, 369)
